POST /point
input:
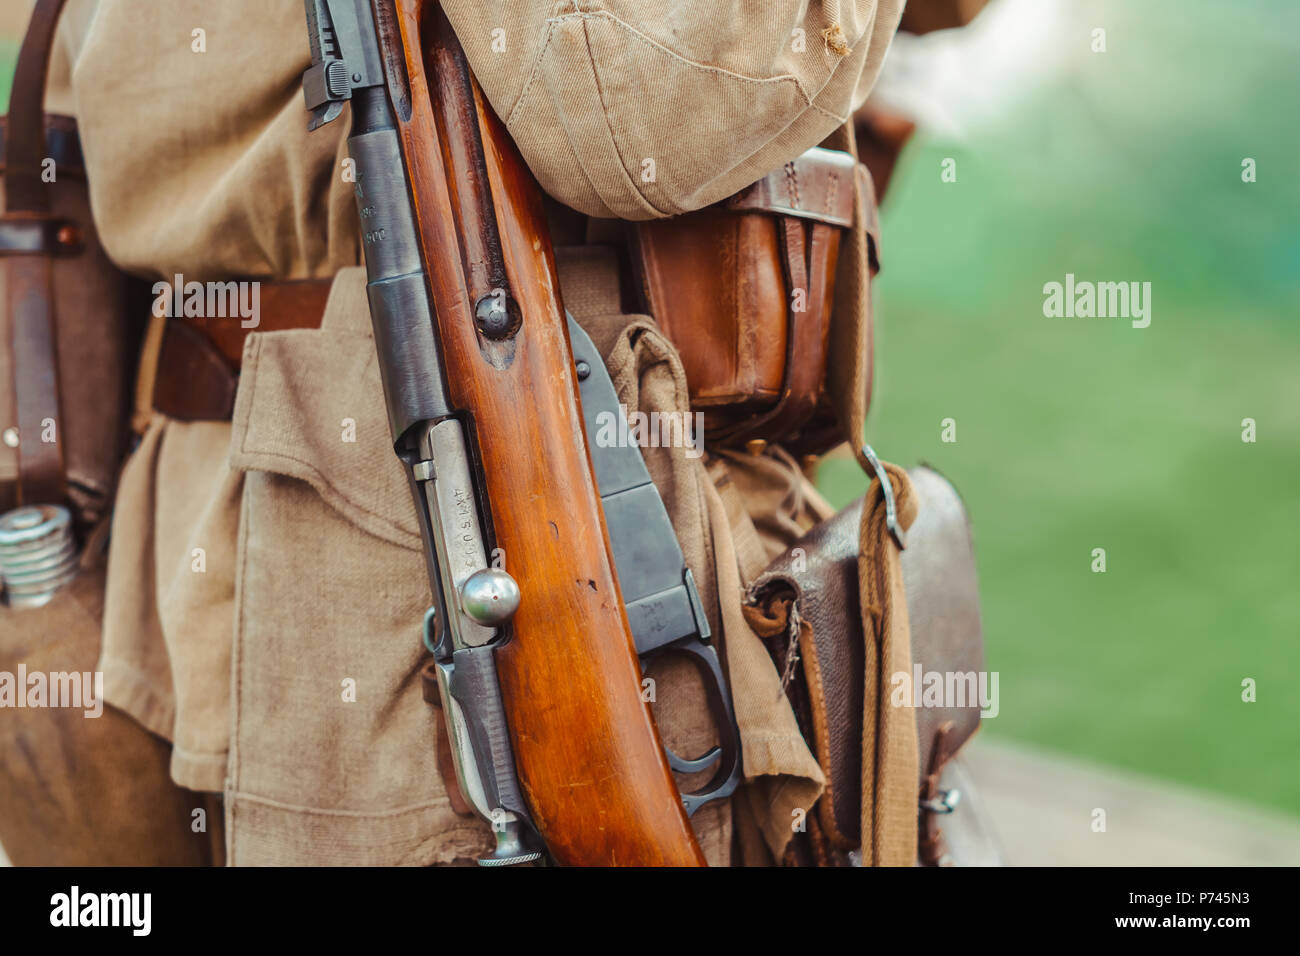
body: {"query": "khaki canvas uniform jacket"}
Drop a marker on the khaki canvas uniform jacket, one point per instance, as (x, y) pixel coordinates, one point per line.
(265, 580)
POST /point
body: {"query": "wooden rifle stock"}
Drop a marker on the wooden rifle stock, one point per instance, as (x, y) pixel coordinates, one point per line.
(588, 755)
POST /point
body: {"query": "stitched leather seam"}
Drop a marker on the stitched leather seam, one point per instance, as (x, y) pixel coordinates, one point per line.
(817, 700)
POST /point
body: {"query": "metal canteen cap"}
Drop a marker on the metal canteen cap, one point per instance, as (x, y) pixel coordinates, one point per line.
(37, 554)
(490, 597)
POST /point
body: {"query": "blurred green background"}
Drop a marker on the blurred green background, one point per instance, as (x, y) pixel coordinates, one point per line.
(8, 56)
(13, 22)
(1075, 434)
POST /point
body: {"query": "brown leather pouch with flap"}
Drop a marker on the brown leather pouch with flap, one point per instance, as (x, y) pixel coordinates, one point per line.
(67, 346)
(815, 584)
(81, 783)
(744, 291)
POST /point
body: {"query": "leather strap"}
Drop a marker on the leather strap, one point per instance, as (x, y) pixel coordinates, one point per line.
(282, 305)
(807, 366)
(26, 234)
(816, 185)
(194, 382)
(24, 191)
(30, 296)
(805, 250)
(62, 144)
(40, 462)
(930, 844)
(198, 361)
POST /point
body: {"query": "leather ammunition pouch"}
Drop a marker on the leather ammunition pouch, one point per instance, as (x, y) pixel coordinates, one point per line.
(67, 343)
(744, 290)
(67, 352)
(816, 582)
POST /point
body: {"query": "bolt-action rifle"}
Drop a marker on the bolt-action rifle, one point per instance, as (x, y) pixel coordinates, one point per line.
(538, 664)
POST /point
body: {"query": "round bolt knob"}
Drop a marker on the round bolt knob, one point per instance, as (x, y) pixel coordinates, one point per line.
(490, 597)
(495, 314)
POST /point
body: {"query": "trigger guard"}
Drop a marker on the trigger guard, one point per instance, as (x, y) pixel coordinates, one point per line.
(693, 764)
(727, 776)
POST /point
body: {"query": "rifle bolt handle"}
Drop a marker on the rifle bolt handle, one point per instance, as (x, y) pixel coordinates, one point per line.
(496, 314)
(490, 596)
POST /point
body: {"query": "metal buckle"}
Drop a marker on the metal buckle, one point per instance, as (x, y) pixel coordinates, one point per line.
(946, 802)
(887, 487)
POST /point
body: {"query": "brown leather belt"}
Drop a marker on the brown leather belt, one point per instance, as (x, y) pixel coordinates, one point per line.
(198, 361)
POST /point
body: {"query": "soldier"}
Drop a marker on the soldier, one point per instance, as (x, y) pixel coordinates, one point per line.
(265, 572)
